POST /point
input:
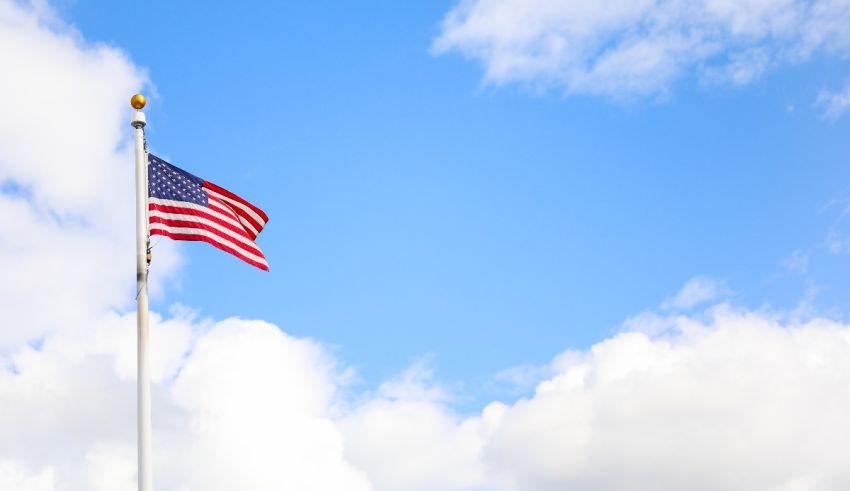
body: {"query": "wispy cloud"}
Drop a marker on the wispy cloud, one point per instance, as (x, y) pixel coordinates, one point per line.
(623, 48)
(835, 104)
(797, 262)
(695, 292)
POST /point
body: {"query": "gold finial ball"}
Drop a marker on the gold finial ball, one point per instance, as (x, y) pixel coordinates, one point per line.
(138, 101)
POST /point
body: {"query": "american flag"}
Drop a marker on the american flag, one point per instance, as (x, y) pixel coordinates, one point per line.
(185, 207)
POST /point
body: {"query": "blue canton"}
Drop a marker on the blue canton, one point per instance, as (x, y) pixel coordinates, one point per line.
(168, 182)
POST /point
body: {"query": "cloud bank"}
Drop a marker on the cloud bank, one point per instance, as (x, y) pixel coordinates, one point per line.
(626, 48)
(721, 399)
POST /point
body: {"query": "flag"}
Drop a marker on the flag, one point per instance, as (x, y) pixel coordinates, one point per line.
(182, 206)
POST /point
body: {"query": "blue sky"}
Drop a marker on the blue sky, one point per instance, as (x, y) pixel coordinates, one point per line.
(418, 209)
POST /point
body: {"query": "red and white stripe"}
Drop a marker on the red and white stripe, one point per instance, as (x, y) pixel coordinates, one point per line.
(253, 218)
(228, 223)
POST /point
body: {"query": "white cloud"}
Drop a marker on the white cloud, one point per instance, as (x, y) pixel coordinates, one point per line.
(835, 104)
(408, 425)
(696, 291)
(414, 445)
(725, 400)
(236, 404)
(739, 403)
(737, 400)
(254, 412)
(65, 220)
(415, 383)
(623, 48)
(12, 476)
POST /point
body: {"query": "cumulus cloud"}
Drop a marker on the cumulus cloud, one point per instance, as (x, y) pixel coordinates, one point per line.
(624, 48)
(65, 174)
(254, 412)
(237, 404)
(407, 438)
(735, 400)
(739, 401)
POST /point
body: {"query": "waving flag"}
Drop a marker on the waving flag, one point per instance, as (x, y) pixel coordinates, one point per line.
(185, 207)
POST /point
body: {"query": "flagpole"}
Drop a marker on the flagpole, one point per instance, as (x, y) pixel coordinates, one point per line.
(145, 472)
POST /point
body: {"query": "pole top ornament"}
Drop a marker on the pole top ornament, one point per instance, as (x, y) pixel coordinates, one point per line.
(138, 102)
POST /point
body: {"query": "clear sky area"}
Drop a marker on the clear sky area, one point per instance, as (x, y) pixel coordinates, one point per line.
(493, 221)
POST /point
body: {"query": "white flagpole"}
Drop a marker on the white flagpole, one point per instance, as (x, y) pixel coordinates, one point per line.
(145, 473)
